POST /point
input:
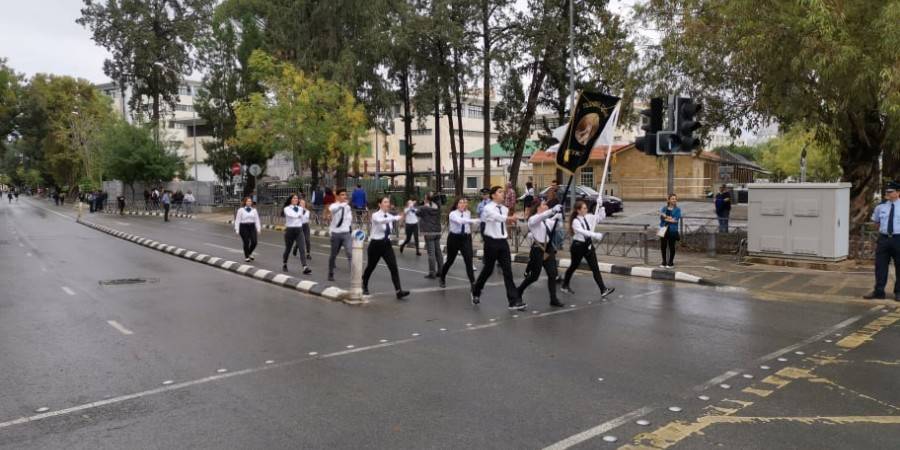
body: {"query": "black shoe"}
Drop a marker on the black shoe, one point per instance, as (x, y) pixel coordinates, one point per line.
(252, 258)
(330, 277)
(365, 291)
(401, 293)
(606, 292)
(443, 283)
(430, 276)
(518, 306)
(401, 248)
(307, 270)
(567, 290)
(418, 254)
(557, 304)
(559, 280)
(284, 267)
(874, 296)
(475, 299)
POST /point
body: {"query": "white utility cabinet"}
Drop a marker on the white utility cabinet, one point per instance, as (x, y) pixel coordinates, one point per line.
(799, 220)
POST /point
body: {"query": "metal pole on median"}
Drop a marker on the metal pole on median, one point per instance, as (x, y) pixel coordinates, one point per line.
(356, 266)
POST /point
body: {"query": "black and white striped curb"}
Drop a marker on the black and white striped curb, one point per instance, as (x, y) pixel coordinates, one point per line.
(115, 212)
(287, 281)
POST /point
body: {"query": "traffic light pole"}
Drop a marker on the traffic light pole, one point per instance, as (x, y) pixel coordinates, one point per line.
(670, 181)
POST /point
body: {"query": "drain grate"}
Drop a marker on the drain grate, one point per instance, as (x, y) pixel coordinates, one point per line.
(127, 281)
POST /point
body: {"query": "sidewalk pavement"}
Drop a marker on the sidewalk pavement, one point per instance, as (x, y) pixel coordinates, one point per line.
(848, 282)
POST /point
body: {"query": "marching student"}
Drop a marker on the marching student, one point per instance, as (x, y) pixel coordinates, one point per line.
(380, 247)
(460, 239)
(541, 221)
(341, 219)
(583, 236)
(496, 250)
(246, 224)
(429, 215)
(305, 231)
(294, 218)
(411, 223)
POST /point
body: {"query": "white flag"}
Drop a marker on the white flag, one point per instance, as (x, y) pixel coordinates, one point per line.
(608, 134)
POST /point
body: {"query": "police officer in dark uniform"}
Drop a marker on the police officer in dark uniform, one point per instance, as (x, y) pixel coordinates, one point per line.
(887, 216)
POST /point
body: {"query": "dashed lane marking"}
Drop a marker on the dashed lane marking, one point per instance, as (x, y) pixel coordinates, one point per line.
(67, 290)
(600, 429)
(119, 327)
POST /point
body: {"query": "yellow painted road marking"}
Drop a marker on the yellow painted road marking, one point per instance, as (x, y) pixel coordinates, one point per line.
(865, 334)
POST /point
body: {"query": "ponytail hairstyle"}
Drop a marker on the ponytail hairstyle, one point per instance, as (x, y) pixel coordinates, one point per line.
(578, 205)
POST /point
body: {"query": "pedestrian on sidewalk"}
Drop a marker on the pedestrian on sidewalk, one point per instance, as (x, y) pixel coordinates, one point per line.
(541, 220)
(318, 200)
(358, 197)
(509, 199)
(167, 204)
(411, 224)
(496, 250)
(294, 218)
(887, 216)
(154, 199)
(341, 219)
(669, 217)
(430, 223)
(459, 239)
(583, 236)
(246, 224)
(723, 208)
(380, 247)
(120, 202)
(189, 203)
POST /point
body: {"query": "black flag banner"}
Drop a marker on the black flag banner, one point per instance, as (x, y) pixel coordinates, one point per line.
(592, 114)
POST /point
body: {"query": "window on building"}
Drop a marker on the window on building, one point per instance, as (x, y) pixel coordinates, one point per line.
(186, 108)
(475, 111)
(184, 90)
(422, 132)
(397, 110)
(587, 176)
(471, 182)
(403, 147)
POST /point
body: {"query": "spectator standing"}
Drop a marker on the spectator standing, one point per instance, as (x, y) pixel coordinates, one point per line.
(189, 203)
(669, 217)
(358, 198)
(887, 216)
(146, 199)
(120, 200)
(723, 208)
(166, 203)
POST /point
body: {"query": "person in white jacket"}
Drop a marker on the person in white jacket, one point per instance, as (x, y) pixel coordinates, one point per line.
(295, 216)
(583, 236)
(459, 240)
(246, 224)
(341, 219)
(383, 223)
(542, 220)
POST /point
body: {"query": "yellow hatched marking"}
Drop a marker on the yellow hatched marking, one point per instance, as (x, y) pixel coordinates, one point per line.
(758, 392)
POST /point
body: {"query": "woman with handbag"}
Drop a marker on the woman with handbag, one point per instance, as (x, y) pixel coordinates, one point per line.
(669, 217)
(583, 236)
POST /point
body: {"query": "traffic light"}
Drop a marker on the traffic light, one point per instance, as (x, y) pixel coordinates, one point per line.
(684, 142)
(652, 125)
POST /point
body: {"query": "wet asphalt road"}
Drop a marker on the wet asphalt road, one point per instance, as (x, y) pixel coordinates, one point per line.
(433, 372)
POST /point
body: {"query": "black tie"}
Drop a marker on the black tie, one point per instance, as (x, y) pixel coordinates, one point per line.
(502, 223)
(387, 230)
(891, 221)
(341, 219)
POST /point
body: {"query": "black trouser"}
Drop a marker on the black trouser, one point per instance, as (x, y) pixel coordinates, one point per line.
(412, 231)
(888, 249)
(166, 207)
(459, 243)
(496, 251)
(536, 261)
(584, 250)
(667, 242)
(381, 249)
(294, 236)
(248, 237)
(306, 239)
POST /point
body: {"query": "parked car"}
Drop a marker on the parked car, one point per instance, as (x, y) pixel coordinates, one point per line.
(610, 203)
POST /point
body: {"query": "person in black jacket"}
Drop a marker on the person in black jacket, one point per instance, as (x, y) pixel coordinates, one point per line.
(430, 226)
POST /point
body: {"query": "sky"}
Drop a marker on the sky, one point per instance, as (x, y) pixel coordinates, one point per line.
(41, 36)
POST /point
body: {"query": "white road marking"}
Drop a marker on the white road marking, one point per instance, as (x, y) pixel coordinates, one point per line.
(119, 327)
(586, 435)
(67, 290)
(224, 248)
(28, 254)
(124, 224)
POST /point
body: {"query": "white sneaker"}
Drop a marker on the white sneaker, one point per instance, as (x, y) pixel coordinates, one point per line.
(663, 266)
(670, 267)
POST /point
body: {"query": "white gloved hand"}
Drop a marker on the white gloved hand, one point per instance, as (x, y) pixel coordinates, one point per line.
(598, 237)
(557, 209)
(601, 213)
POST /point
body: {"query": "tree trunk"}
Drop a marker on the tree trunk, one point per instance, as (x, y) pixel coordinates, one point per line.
(407, 131)
(340, 177)
(486, 88)
(461, 173)
(449, 112)
(859, 162)
(438, 185)
(314, 171)
(525, 127)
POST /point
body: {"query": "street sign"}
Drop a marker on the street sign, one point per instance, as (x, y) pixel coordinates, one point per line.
(359, 235)
(255, 170)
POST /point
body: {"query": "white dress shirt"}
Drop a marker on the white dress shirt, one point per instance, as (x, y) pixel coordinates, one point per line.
(243, 216)
(583, 226)
(461, 222)
(382, 225)
(341, 218)
(539, 225)
(411, 217)
(494, 217)
(295, 216)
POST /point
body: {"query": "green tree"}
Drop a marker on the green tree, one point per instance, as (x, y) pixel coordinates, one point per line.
(509, 110)
(310, 117)
(132, 155)
(10, 86)
(831, 65)
(781, 156)
(151, 42)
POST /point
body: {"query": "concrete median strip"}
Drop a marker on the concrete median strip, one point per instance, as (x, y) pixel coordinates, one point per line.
(287, 281)
(115, 212)
(563, 263)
